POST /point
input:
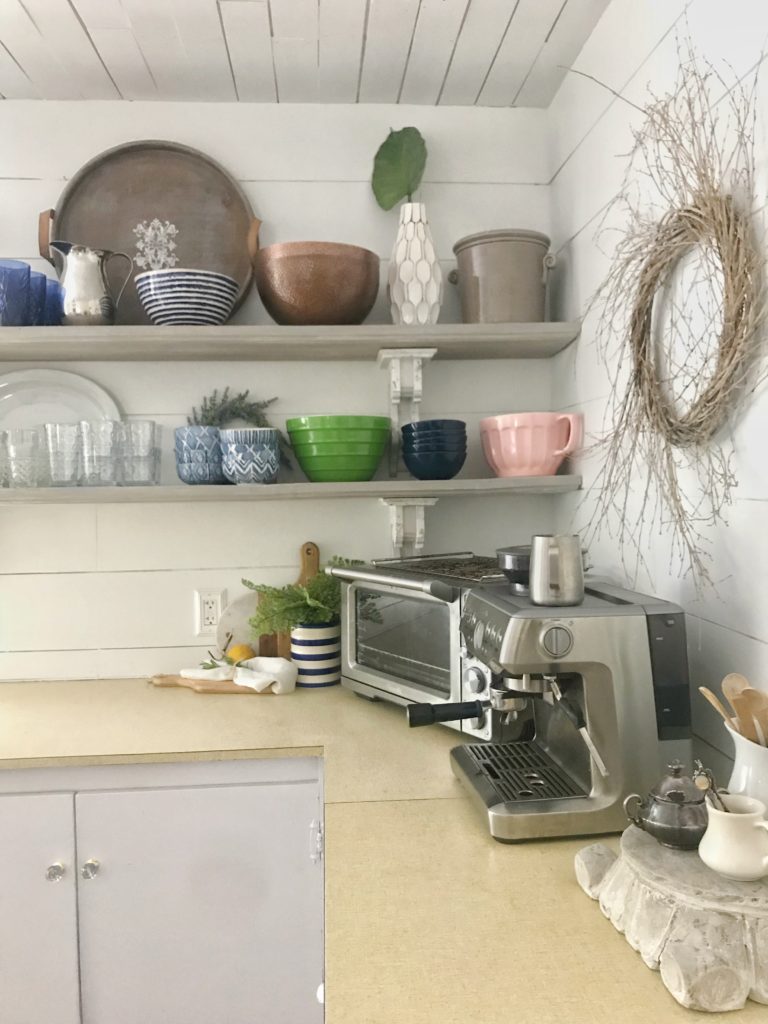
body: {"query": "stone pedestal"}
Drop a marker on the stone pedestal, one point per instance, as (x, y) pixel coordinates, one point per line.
(706, 935)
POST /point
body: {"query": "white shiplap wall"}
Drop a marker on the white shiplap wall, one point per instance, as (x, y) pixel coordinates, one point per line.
(107, 590)
(634, 49)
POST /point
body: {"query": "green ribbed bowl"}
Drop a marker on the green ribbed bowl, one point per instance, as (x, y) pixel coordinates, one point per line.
(339, 468)
(338, 423)
(338, 448)
(319, 435)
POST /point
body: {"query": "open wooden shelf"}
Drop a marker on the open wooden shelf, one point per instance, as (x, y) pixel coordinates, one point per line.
(114, 344)
(529, 485)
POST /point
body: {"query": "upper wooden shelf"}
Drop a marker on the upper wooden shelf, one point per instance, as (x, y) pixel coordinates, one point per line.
(406, 488)
(114, 344)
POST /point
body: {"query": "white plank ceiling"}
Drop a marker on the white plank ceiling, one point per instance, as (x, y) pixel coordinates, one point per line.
(459, 52)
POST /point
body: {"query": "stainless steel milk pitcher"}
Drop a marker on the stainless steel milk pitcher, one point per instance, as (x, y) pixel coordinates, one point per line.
(87, 299)
(557, 569)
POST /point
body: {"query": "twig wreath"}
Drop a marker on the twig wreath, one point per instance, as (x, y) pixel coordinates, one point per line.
(680, 312)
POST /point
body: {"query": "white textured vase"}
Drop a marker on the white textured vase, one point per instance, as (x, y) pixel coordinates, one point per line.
(415, 277)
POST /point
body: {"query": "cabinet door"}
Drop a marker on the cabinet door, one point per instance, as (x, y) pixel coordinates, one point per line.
(206, 906)
(38, 915)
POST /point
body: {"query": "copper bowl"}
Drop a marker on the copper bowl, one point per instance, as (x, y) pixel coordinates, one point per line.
(311, 283)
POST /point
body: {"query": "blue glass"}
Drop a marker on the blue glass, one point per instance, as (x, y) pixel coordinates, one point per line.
(35, 299)
(54, 298)
(14, 289)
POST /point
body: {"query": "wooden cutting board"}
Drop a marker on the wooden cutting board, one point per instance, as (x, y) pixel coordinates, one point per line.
(278, 645)
(208, 685)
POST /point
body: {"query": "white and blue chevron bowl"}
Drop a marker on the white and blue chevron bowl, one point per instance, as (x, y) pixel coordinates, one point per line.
(250, 463)
(316, 652)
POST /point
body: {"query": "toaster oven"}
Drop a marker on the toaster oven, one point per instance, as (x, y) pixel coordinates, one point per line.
(401, 640)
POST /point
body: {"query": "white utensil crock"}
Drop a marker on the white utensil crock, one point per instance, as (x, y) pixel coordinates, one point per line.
(750, 768)
(735, 844)
(316, 650)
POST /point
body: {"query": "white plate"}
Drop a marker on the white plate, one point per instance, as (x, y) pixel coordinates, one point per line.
(234, 620)
(29, 398)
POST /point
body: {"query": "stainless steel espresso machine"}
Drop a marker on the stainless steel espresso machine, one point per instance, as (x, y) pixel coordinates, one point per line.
(586, 703)
(568, 705)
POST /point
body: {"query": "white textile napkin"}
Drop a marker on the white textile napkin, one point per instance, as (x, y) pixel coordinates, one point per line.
(257, 673)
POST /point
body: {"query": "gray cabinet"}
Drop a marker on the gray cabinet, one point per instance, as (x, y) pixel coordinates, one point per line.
(200, 903)
(38, 912)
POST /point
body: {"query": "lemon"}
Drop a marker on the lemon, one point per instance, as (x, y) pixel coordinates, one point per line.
(240, 652)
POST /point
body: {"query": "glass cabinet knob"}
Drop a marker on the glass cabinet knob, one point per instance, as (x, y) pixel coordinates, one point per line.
(55, 872)
(90, 869)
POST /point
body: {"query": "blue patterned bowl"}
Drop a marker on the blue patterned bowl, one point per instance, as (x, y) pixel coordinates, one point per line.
(198, 439)
(251, 464)
(201, 473)
(250, 435)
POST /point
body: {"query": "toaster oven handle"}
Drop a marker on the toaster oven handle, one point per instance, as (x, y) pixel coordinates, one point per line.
(435, 588)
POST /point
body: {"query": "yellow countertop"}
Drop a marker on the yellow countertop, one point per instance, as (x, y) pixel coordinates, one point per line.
(428, 919)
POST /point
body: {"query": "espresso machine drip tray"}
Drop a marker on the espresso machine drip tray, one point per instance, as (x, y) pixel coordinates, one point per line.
(512, 773)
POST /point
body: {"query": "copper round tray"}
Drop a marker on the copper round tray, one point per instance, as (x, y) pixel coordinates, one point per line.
(162, 203)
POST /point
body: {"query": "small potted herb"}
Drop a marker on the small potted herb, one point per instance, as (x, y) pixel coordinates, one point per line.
(198, 445)
(312, 615)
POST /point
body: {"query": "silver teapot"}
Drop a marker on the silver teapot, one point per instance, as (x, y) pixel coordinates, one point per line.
(87, 298)
(674, 812)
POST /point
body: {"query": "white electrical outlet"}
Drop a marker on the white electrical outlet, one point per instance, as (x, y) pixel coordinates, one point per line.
(209, 604)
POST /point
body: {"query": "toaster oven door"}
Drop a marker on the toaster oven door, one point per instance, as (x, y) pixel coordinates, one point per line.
(402, 643)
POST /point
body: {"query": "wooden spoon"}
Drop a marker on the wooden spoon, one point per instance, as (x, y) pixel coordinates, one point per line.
(718, 706)
(732, 686)
(755, 705)
(742, 707)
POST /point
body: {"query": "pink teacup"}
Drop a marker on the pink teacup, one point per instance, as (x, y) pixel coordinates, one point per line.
(530, 443)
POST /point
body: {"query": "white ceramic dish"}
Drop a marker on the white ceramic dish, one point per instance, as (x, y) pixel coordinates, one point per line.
(29, 398)
(234, 620)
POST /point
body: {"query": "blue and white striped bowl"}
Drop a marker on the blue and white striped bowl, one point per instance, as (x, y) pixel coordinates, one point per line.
(183, 296)
(316, 651)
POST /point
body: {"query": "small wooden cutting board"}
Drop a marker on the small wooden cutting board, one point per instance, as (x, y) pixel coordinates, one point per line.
(209, 685)
(278, 645)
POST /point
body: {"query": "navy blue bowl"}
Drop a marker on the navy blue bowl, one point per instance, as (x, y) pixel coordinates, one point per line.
(450, 426)
(434, 465)
(441, 444)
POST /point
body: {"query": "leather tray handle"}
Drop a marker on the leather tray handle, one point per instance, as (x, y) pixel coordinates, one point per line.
(253, 239)
(44, 231)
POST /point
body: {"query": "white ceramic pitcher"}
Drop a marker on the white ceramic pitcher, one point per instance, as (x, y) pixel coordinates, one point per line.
(735, 844)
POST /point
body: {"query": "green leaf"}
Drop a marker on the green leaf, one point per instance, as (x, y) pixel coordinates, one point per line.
(398, 166)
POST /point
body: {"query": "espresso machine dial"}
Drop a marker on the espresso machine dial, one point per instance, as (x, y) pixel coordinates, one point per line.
(475, 680)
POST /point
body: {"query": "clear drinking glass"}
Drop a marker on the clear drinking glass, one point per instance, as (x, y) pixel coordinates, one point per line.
(102, 452)
(141, 453)
(63, 453)
(26, 462)
(3, 459)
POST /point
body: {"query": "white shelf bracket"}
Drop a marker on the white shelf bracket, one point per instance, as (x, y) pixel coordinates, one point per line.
(406, 386)
(406, 523)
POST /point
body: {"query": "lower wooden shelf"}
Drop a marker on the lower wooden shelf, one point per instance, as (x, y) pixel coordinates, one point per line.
(527, 485)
